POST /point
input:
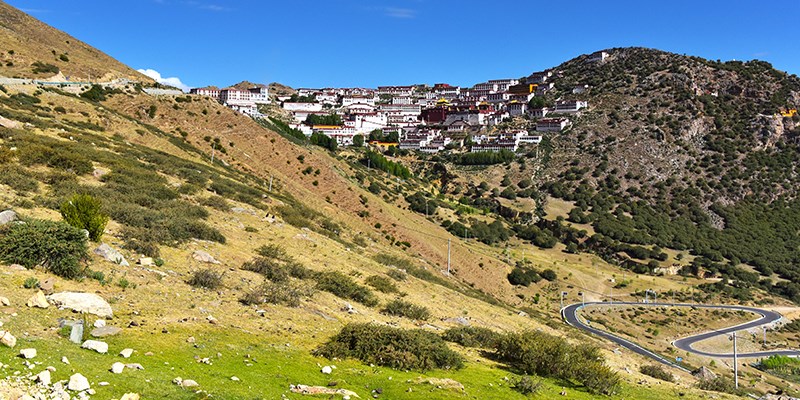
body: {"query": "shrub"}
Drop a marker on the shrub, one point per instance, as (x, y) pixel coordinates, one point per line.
(30, 283)
(43, 68)
(470, 336)
(527, 386)
(523, 276)
(6, 155)
(282, 293)
(83, 211)
(549, 275)
(391, 347)
(400, 308)
(397, 275)
(539, 353)
(206, 279)
(656, 371)
(345, 287)
(719, 384)
(57, 246)
(381, 284)
(273, 251)
(216, 202)
(267, 267)
(18, 178)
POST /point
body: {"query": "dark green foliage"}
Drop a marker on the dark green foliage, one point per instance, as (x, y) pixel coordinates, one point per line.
(324, 141)
(471, 336)
(271, 269)
(386, 137)
(273, 251)
(84, 211)
(284, 129)
(485, 158)
(57, 246)
(391, 347)
(31, 283)
(206, 278)
(98, 93)
(345, 287)
(719, 384)
(381, 284)
(422, 204)
(401, 308)
(540, 237)
(549, 275)
(539, 353)
(358, 140)
(378, 161)
(523, 276)
(59, 156)
(18, 178)
(216, 202)
(330, 119)
(286, 293)
(657, 371)
(151, 111)
(295, 98)
(43, 68)
(527, 385)
(397, 275)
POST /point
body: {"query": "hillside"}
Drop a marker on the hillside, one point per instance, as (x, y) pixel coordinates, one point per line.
(26, 41)
(248, 251)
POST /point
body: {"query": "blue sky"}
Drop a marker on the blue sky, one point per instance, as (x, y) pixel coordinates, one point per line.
(314, 43)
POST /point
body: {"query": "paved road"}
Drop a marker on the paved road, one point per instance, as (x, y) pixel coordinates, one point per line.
(569, 313)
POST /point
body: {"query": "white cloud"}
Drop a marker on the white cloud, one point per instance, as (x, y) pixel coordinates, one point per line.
(403, 13)
(172, 81)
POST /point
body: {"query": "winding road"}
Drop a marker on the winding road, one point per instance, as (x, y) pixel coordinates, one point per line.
(570, 315)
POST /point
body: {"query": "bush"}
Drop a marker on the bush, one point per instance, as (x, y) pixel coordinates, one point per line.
(216, 202)
(267, 267)
(343, 286)
(469, 336)
(83, 211)
(523, 276)
(391, 347)
(719, 384)
(57, 246)
(273, 251)
(280, 293)
(43, 68)
(549, 275)
(539, 353)
(656, 371)
(381, 284)
(400, 308)
(527, 386)
(30, 283)
(397, 275)
(206, 279)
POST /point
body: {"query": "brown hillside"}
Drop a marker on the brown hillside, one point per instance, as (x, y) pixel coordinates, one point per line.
(25, 40)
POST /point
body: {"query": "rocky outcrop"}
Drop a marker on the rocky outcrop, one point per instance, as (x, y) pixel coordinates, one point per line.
(82, 302)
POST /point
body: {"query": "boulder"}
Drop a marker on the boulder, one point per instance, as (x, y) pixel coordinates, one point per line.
(117, 367)
(134, 366)
(43, 378)
(146, 262)
(78, 383)
(111, 254)
(126, 353)
(48, 285)
(38, 300)
(96, 345)
(27, 353)
(76, 334)
(4, 301)
(105, 331)
(327, 370)
(7, 217)
(82, 302)
(17, 267)
(129, 396)
(202, 256)
(99, 323)
(188, 383)
(704, 374)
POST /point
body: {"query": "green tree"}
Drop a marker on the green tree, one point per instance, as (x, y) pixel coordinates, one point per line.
(84, 211)
(358, 140)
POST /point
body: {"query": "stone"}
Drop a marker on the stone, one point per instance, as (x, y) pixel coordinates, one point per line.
(82, 302)
(27, 353)
(126, 353)
(78, 383)
(96, 345)
(134, 366)
(188, 383)
(704, 374)
(17, 267)
(47, 285)
(105, 331)
(326, 370)
(4, 301)
(117, 367)
(76, 334)
(38, 300)
(65, 360)
(147, 262)
(235, 379)
(129, 396)
(99, 323)
(212, 320)
(202, 256)
(7, 217)
(111, 254)
(7, 339)
(43, 377)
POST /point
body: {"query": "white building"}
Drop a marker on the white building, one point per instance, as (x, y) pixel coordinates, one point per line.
(503, 84)
(312, 107)
(357, 99)
(598, 56)
(570, 107)
(396, 90)
(551, 124)
(516, 108)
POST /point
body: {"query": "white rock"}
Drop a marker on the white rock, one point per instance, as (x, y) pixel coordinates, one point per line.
(38, 300)
(104, 383)
(130, 396)
(134, 366)
(4, 301)
(99, 323)
(78, 383)
(202, 256)
(111, 254)
(187, 383)
(96, 345)
(82, 302)
(147, 262)
(7, 339)
(126, 353)
(43, 377)
(235, 379)
(327, 370)
(117, 367)
(7, 217)
(65, 360)
(27, 353)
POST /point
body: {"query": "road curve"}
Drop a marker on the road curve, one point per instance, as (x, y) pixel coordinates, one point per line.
(569, 313)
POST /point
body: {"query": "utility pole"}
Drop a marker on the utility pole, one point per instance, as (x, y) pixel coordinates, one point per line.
(583, 299)
(270, 182)
(562, 300)
(212, 152)
(448, 256)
